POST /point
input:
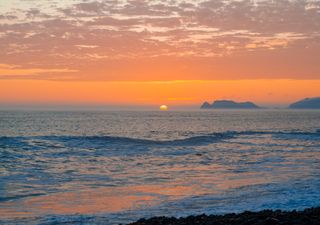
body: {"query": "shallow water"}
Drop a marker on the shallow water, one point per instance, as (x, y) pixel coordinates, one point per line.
(115, 167)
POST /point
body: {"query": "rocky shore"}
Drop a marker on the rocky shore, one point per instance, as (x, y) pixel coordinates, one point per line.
(309, 216)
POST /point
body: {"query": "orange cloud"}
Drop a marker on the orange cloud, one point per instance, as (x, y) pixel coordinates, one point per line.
(148, 40)
(14, 70)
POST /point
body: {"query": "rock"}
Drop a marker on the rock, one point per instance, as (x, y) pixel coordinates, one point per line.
(227, 104)
(265, 217)
(271, 221)
(205, 105)
(307, 103)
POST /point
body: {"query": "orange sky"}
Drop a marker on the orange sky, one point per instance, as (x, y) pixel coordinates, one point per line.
(141, 52)
(194, 92)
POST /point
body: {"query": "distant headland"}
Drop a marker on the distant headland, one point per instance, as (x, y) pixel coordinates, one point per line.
(307, 103)
(228, 104)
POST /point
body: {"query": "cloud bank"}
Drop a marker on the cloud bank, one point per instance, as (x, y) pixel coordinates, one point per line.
(161, 40)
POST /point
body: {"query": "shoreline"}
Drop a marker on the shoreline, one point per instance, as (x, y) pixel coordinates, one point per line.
(309, 216)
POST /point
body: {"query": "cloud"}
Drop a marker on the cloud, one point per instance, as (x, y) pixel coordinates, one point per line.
(10, 71)
(98, 34)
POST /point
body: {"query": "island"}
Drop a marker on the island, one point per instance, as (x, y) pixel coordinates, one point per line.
(228, 104)
(307, 103)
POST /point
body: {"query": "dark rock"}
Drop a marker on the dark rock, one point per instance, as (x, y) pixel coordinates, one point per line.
(271, 221)
(309, 216)
(308, 103)
(227, 104)
(205, 105)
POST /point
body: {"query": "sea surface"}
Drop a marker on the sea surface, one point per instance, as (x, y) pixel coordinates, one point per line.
(116, 167)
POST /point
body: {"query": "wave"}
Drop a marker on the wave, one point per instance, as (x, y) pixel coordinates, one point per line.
(53, 141)
(11, 198)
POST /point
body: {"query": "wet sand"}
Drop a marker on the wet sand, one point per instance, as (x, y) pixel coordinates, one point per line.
(309, 216)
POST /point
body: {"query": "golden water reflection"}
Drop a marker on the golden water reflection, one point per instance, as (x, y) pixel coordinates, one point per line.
(116, 199)
(98, 200)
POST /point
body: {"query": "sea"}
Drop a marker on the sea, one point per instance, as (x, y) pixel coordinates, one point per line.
(112, 167)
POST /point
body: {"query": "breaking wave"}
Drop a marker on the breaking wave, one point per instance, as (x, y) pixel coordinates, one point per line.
(52, 141)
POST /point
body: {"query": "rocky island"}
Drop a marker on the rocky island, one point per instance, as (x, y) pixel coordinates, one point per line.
(307, 103)
(228, 104)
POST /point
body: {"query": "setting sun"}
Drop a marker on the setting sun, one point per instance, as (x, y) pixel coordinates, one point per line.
(164, 107)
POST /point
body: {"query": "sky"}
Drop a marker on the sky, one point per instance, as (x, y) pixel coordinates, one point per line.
(176, 52)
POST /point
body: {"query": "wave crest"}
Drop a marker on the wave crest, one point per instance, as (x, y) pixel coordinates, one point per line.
(116, 140)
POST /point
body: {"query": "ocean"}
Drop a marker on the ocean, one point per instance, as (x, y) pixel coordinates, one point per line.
(112, 167)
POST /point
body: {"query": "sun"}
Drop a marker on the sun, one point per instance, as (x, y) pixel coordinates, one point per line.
(163, 108)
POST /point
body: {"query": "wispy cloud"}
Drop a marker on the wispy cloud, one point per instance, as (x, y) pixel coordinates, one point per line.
(104, 36)
(14, 71)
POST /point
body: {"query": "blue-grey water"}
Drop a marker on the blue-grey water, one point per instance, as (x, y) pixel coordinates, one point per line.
(116, 167)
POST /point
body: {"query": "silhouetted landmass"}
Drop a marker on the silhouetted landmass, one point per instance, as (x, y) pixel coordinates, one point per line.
(206, 105)
(308, 103)
(227, 104)
(265, 217)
